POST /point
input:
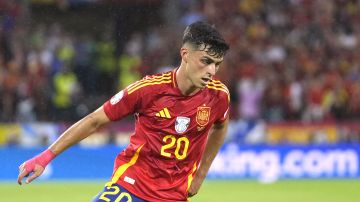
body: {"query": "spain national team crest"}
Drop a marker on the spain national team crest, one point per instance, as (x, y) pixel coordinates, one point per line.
(203, 116)
(181, 124)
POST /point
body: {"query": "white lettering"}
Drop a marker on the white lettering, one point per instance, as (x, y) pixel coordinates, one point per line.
(292, 164)
(312, 163)
(268, 166)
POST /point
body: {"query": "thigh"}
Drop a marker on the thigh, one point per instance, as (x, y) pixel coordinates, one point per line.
(116, 193)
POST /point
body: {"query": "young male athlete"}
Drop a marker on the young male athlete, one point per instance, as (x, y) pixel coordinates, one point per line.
(181, 121)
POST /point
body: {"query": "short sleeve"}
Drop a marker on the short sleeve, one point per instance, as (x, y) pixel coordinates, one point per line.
(122, 104)
(224, 102)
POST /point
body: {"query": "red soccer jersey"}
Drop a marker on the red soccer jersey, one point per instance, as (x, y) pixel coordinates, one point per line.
(170, 134)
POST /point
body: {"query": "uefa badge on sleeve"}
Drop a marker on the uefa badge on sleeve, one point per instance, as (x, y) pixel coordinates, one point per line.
(116, 98)
(181, 124)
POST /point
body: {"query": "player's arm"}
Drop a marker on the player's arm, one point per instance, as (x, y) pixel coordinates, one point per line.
(77, 132)
(80, 130)
(214, 142)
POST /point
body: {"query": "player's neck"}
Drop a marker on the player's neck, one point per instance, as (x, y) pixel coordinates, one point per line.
(184, 83)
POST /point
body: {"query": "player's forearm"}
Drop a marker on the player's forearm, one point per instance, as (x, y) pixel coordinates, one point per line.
(215, 140)
(77, 132)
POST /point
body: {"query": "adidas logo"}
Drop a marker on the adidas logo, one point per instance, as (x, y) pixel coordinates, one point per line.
(164, 113)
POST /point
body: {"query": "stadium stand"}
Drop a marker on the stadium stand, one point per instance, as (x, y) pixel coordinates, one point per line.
(289, 60)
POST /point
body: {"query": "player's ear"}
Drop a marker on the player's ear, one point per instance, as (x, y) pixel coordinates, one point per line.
(184, 52)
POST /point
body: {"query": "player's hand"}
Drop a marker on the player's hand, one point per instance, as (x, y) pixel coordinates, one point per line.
(29, 171)
(34, 167)
(195, 186)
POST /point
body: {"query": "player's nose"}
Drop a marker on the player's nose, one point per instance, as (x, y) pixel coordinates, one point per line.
(211, 70)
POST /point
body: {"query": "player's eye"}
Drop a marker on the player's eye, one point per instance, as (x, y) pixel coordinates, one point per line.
(206, 61)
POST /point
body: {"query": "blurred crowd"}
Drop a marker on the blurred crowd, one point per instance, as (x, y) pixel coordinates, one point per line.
(289, 60)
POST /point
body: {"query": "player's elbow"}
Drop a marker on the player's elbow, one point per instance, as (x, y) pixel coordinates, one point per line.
(97, 119)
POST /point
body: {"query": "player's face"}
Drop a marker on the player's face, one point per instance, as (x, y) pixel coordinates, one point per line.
(202, 67)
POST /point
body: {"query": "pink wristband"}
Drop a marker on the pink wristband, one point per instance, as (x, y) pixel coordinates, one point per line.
(42, 159)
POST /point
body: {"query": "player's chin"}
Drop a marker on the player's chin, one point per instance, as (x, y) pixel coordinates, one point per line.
(202, 84)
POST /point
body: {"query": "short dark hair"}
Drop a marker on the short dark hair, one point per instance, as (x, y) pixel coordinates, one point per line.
(201, 33)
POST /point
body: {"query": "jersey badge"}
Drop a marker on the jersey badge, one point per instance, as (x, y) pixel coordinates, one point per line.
(203, 116)
(116, 98)
(181, 124)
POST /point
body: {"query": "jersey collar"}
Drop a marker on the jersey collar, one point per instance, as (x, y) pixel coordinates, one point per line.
(174, 81)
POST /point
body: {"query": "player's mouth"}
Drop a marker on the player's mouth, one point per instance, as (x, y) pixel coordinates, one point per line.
(205, 80)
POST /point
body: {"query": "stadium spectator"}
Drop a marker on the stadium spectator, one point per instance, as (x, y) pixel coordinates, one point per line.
(105, 64)
(66, 91)
(130, 62)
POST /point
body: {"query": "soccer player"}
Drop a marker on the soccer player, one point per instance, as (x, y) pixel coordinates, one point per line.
(181, 120)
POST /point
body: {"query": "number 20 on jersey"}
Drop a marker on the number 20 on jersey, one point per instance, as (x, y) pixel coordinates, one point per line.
(181, 143)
